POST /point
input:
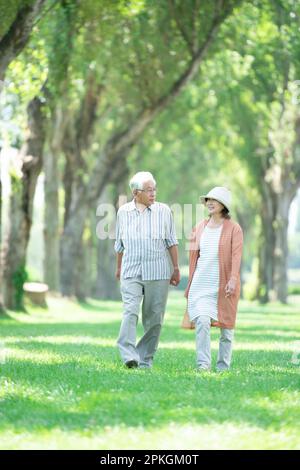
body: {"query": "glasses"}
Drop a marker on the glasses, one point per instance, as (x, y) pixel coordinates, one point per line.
(148, 191)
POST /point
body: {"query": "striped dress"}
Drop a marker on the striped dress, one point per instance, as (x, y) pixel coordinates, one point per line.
(203, 293)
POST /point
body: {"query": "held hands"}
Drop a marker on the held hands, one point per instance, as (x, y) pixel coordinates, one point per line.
(230, 287)
(175, 279)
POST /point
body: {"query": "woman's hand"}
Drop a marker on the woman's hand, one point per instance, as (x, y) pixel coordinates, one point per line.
(230, 287)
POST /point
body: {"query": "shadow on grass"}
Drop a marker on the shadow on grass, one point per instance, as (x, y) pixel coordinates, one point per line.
(109, 304)
(5, 317)
(90, 307)
(10, 326)
(101, 329)
(88, 388)
(82, 385)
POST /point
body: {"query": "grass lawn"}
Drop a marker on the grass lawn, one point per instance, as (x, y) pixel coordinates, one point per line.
(62, 385)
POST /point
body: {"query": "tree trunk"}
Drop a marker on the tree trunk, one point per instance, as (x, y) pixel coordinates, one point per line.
(77, 205)
(281, 244)
(51, 224)
(29, 161)
(266, 244)
(76, 140)
(265, 291)
(273, 280)
(106, 286)
(56, 93)
(81, 278)
(297, 227)
(266, 261)
(70, 245)
(1, 283)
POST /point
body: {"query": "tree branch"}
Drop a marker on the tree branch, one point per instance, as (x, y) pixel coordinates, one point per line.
(121, 142)
(18, 34)
(180, 26)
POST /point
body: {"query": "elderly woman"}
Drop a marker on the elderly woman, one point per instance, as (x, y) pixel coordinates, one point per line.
(214, 285)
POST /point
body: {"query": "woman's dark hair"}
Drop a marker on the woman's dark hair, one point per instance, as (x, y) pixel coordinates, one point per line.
(224, 212)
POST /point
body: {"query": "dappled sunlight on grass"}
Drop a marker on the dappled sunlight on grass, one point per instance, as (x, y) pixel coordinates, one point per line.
(63, 340)
(173, 344)
(33, 357)
(63, 384)
(230, 435)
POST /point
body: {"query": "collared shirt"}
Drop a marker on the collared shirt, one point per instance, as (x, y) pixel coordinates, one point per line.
(143, 238)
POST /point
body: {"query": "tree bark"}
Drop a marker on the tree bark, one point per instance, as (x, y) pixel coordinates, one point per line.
(70, 246)
(281, 244)
(1, 283)
(76, 140)
(51, 188)
(21, 205)
(266, 244)
(56, 93)
(81, 275)
(279, 182)
(265, 267)
(51, 227)
(106, 286)
(273, 255)
(13, 42)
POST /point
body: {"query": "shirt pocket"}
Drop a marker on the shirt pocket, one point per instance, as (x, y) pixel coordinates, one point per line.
(155, 249)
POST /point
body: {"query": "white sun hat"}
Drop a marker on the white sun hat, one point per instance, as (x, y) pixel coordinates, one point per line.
(223, 195)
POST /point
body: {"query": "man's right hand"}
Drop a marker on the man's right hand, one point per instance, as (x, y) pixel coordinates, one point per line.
(118, 274)
(175, 279)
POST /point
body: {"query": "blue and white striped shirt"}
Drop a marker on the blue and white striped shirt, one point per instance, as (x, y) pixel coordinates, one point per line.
(143, 238)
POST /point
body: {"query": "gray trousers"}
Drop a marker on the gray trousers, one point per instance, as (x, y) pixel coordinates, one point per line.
(203, 344)
(153, 295)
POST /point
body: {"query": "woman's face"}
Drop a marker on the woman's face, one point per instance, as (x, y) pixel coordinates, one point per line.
(214, 207)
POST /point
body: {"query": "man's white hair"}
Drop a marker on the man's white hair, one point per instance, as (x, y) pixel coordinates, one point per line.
(138, 180)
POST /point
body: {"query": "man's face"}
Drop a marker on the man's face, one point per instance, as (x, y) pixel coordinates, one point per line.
(147, 195)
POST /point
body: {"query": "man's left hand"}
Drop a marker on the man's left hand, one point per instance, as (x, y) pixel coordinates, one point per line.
(175, 279)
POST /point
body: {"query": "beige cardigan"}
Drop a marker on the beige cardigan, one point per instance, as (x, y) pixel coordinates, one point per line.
(230, 255)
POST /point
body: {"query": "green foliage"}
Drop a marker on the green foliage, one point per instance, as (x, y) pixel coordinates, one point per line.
(15, 181)
(59, 32)
(33, 274)
(250, 282)
(18, 278)
(294, 290)
(9, 10)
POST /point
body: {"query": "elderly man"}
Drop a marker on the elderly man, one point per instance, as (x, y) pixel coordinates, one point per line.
(145, 234)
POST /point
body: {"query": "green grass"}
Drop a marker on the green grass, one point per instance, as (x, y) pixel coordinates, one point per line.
(62, 385)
